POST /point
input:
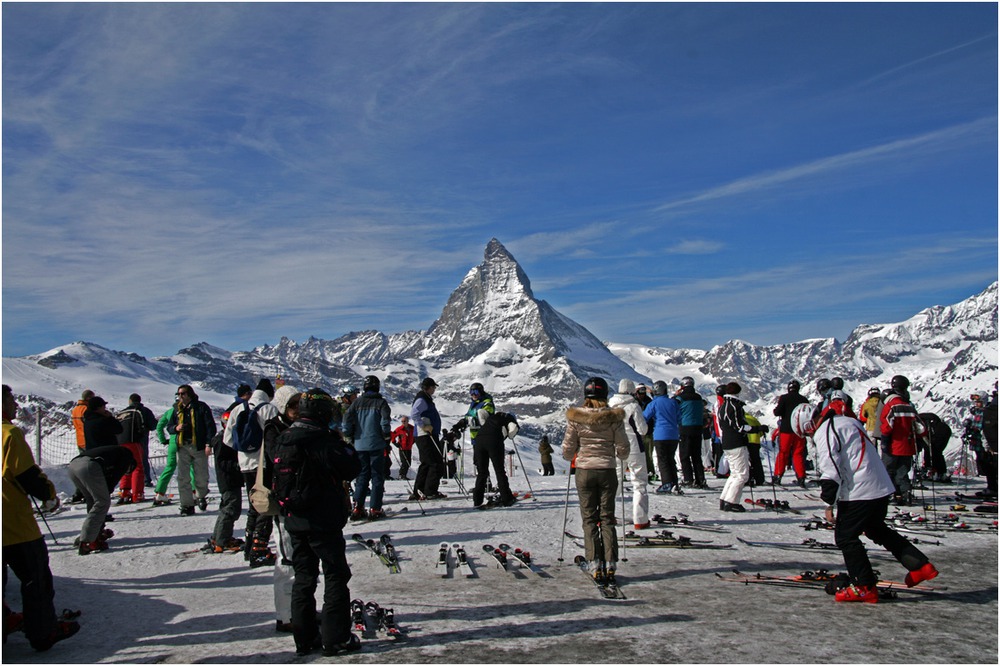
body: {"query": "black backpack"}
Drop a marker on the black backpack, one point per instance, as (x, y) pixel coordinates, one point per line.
(133, 426)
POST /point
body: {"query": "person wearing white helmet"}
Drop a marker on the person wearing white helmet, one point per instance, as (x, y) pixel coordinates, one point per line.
(854, 480)
(635, 430)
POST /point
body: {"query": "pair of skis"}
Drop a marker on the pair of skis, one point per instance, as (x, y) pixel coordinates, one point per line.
(666, 539)
(461, 560)
(828, 580)
(504, 553)
(370, 618)
(605, 582)
(383, 549)
(682, 520)
(781, 506)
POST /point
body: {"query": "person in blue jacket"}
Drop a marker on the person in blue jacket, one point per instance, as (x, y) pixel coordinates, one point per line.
(367, 423)
(663, 417)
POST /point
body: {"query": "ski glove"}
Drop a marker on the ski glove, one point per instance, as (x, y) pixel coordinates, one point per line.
(48, 506)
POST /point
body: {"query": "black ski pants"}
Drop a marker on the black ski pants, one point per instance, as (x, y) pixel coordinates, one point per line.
(229, 478)
(431, 468)
(405, 460)
(756, 466)
(867, 517)
(899, 471)
(484, 453)
(692, 467)
(30, 562)
(309, 549)
(666, 453)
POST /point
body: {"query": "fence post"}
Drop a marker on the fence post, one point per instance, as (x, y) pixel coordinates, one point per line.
(38, 436)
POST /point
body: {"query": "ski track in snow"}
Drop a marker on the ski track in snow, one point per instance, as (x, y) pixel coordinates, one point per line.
(141, 604)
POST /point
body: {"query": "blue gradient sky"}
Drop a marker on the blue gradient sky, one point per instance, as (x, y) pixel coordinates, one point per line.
(667, 174)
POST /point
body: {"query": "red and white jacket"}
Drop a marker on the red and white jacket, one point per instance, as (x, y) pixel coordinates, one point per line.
(899, 421)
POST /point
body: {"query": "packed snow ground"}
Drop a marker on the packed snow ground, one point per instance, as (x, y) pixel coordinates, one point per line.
(141, 604)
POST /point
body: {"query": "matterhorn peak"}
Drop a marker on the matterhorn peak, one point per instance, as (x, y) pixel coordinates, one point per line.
(500, 272)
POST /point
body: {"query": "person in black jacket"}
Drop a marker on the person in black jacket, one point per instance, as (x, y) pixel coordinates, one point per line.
(311, 467)
(194, 425)
(791, 447)
(229, 478)
(95, 472)
(100, 427)
(489, 448)
(137, 422)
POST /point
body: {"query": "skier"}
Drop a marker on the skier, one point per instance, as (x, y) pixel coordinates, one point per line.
(311, 465)
(854, 480)
(286, 401)
(257, 534)
(900, 427)
(229, 479)
(138, 421)
(100, 427)
(402, 438)
(24, 548)
(427, 422)
(936, 440)
(635, 430)
(366, 424)
(989, 426)
(870, 411)
(692, 409)
(545, 455)
(791, 447)
(494, 429)
(192, 421)
(595, 436)
(662, 415)
(95, 472)
(734, 428)
(81, 440)
(169, 441)
(479, 400)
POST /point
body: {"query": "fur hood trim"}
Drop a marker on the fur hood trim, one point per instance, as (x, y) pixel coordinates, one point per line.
(604, 416)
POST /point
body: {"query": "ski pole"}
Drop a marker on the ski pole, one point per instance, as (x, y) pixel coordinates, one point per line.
(408, 484)
(562, 544)
(774, 492)
(524, 471)
(624, 547)
(42, 514)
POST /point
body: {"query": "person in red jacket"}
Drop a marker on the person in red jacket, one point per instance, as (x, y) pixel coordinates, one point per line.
(402, 438)
(899, 425)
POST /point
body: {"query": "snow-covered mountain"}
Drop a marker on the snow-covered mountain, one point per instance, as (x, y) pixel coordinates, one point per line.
(532, 358)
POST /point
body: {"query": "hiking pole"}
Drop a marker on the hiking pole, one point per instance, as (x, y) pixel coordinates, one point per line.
(624, 547)
(562, 544)
(413, 493)
(524, 471)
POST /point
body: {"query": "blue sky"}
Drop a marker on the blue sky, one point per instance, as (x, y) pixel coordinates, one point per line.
(667, 174)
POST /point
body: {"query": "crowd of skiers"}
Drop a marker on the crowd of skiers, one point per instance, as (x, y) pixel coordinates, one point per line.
(308, 462)
(857, 476)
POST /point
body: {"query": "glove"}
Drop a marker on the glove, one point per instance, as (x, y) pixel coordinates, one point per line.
(48, 506)
(425, 426)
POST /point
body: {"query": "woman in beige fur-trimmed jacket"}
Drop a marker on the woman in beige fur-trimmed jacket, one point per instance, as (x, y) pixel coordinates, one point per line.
(595, 436)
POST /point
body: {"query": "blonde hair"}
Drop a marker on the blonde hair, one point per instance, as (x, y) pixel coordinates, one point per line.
(594, 403)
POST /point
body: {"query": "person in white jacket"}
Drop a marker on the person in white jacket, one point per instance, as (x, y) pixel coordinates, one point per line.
(259, 528)
(635, 428)
(854, 479)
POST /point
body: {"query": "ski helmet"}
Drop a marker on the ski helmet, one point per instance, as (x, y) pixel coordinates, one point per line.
(794, 386)
(316, 405)
(595, 388)
(801, 418)
(873, 392)
(823, 385)
(476, 390)
(687, 382)
(720, 389)
(837, 384)
(838, 402)
(899, 384)
(350, 389)
(733, 388)
(372, 383)
(659, 387)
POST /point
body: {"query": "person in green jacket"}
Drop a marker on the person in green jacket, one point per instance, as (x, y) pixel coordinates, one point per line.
(169, 441)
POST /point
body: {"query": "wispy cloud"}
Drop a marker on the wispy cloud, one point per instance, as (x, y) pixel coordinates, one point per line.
(932, 56)
(695, 247)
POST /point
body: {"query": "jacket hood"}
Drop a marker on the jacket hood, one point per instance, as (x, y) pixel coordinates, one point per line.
(259, 397)
(282, 396)
(602, 416)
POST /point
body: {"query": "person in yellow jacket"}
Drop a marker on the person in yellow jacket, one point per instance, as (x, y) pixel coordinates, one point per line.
(24, 548)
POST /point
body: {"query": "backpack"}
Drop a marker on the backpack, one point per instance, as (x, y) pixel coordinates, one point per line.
(133, 426)
(248, 435)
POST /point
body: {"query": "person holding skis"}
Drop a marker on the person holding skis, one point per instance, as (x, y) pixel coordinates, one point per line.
(311, 467)
(427, 421)
(595, 436)
(855, 483)
(24, 549)
(791, 447)
(366, 424)
(662, 414)
(635, 430)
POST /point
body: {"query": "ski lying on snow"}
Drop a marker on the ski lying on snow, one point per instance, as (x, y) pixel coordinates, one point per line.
(682, 520)
(666, 539)
(805, 544)
(441, 568)
(781, 506)
(822, 578)
(498, 554)
(382, 619)
(462, 560)
(607, 590)
(522, 556)
(377, 549)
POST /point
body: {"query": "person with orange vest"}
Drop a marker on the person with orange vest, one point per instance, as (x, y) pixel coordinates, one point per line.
(81, 438)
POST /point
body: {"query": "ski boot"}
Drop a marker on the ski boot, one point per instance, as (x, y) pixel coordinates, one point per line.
(261, 555)
(88, 547)
(926, 572)
(862, 593)
(64, 629)
(159, 499)
(358, 513)
(375, 514)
